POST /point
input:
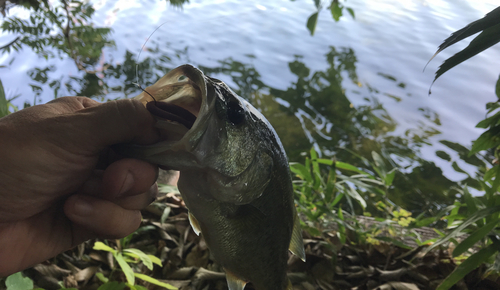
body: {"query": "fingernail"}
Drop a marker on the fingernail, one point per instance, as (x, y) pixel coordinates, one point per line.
(127, 183)
(83, 207)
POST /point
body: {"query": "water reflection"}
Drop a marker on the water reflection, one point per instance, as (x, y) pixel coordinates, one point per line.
(329, 109)
(315, 110)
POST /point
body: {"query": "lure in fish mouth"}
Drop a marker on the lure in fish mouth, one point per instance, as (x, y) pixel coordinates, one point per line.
(172, 113)
(234, 175)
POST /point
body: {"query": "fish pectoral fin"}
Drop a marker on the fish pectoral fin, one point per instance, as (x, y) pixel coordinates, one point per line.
(233, 282)
(296, 242)
(194, 224)
(289, 286)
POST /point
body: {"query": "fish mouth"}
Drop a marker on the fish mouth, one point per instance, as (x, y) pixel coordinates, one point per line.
(177, 101)
(171, 112)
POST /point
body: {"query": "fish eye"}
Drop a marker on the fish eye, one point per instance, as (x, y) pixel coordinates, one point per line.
(235, 113)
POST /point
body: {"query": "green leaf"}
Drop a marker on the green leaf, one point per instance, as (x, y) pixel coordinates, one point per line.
(316, 171)
(114, 285)
(4, 105)
(475, 237)
(313, 153)
(496, 182)
(337, 199)
(459, 230)
(354, 194)
(301, 171)
(389, 178)
(330, 189)
(311, 22)
(328, 162)
(101, 277)
(490, 19)
(492, 106)
(489, 37)
(497, 88)
(100, 246)
(426, 242)
(487, 140)
(312, 231)
(470, 201)
(129, 274)
(379, 162)
(468, 265)
(346, 166)
(136, 253)
(154, 281)
(166, 188)
(336, 10)
(317, 3)
(18, 282)
(424, 222)
(492, 172)
(155, 260)
(165, 214)
(490, 121)
(351, 11)
(341, 233)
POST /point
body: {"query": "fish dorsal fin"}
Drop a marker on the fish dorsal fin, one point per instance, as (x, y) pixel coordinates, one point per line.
(296, 243)
(233, 282)
(194, 224)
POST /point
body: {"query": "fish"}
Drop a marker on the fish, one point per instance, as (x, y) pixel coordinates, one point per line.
(234, 175)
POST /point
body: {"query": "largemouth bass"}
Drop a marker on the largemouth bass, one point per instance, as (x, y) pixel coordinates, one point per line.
(234, 175)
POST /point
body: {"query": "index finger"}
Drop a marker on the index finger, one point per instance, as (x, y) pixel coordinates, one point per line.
(97, 126)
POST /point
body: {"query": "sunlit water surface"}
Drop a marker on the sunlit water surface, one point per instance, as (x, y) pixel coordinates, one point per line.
(391, 39)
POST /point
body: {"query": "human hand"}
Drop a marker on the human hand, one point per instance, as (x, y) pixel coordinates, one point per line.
(58, 183)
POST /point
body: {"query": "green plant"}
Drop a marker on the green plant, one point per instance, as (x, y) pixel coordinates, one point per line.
(5, 105)
(126, 260)
(475, 220)
(478, 217)
(18, 281)
(317, 195)
(336, 9)
(489, 26)
(61, 28)
(323, 186)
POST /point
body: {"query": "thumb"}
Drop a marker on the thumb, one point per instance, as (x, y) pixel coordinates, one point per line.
(122, 121)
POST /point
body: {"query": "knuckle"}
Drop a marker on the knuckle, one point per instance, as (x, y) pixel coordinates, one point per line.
(129, 112)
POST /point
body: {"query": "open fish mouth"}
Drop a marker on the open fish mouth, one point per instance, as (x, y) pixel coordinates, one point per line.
(171, 112)
(177, 101)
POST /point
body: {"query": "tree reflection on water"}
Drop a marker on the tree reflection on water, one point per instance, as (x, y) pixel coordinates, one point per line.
(315, 110)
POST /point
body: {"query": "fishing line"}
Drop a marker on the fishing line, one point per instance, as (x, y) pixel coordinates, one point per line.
(146, 92)
(147, 39)
(137, 61)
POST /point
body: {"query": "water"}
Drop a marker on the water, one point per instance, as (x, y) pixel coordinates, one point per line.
(264, 51)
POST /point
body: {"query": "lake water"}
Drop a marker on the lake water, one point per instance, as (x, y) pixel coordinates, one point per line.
(264, 49)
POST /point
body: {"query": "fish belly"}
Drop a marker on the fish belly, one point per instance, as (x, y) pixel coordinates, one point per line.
(250, 241)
